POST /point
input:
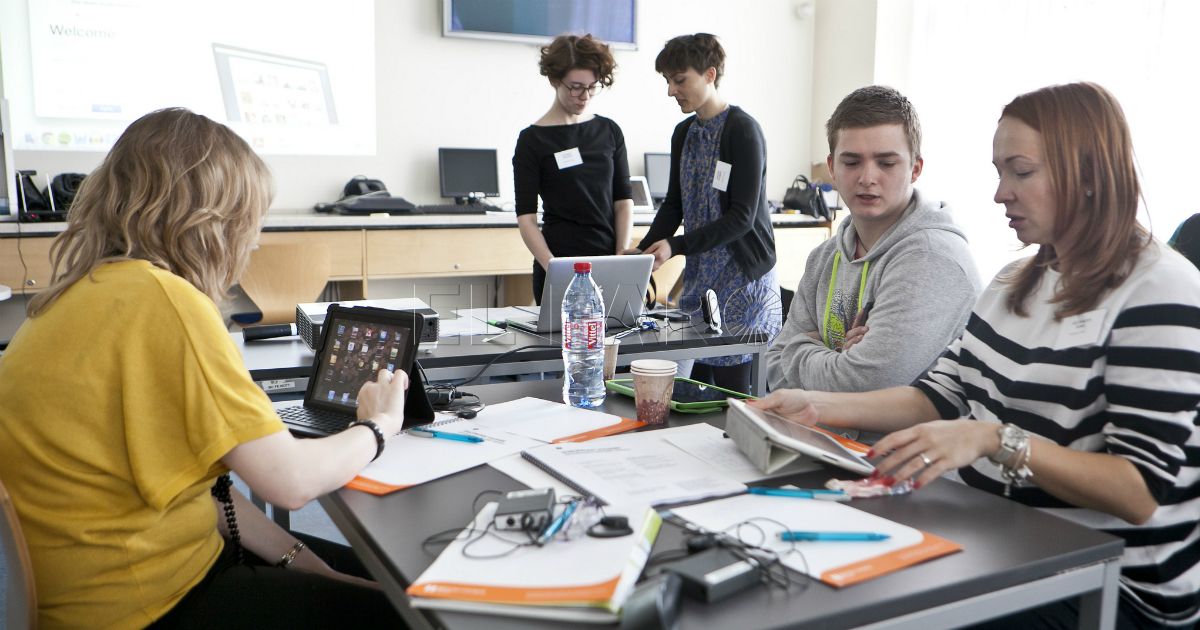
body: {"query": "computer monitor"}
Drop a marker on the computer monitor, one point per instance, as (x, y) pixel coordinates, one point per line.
(658, 174)
(468, 174)
(8, 174)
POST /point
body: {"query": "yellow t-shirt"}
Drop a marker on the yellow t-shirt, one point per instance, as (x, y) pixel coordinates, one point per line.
(116, 405)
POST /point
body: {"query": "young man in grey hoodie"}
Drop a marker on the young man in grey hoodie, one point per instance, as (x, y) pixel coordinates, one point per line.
(881, 299)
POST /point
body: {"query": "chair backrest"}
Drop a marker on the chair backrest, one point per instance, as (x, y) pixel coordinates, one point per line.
(280, 276)
(20, 594)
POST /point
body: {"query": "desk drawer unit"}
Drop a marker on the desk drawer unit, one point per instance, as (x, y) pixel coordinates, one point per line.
(345, 249)
(438, 252)
(35, 272)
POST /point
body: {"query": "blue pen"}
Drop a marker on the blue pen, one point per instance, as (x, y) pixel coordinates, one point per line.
(557, 524)
(792, 536)
(430, 433)
(815, 493)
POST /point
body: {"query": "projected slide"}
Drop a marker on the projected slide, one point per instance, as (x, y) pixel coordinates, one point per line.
(290, 76)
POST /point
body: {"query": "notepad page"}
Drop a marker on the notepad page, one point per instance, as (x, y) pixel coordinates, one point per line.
(543, 420)
(408, 460)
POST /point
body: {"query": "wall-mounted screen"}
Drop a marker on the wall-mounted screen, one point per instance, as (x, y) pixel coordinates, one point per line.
(289, 76)
(539, 21)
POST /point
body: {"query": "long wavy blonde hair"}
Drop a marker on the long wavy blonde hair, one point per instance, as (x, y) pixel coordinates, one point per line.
(178, 190)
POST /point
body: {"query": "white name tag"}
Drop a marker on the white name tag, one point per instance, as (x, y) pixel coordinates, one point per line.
(1080, 330)
(568, 158)
(721, 175)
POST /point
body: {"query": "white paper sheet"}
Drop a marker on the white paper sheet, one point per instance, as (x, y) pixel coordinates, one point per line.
(498, 314)
(410, 460)
(814, 558)
(525, 472)
(465, 326)
(543, 420)
(709, 444)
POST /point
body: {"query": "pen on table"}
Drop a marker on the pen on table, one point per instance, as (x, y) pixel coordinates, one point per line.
(793, 536)
(498, 324)
(557, 524)
(819, 494)
(430, 433)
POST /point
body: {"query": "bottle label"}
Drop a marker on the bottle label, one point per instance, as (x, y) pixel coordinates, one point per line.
(585, 334)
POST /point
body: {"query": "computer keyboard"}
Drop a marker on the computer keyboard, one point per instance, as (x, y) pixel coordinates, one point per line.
(452, 208)
(321, 420)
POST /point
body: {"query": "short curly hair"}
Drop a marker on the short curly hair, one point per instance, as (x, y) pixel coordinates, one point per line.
(698, 52)
(571, 52)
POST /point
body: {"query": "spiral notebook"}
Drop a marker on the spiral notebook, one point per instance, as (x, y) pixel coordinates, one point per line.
(635, 469)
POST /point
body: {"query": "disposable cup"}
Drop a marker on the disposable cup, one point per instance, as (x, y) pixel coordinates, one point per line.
(611, 346)
(653, 383)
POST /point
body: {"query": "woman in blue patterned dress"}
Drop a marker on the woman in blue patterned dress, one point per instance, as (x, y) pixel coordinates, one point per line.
(716, 190)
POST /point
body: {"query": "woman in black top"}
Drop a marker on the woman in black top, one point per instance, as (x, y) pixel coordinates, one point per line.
(575, 160)
(717, 192)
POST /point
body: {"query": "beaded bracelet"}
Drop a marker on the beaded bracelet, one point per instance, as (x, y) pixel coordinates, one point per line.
(380, 440)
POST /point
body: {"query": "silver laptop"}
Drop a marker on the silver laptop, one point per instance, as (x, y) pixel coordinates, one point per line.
(622, 281)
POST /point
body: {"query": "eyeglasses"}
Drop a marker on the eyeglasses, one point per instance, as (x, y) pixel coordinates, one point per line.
(575, 89)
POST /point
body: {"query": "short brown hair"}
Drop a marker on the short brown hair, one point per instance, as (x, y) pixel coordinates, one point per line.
(1089, 156)
(571, 52)
(698, 52)
(178, 190)
(873, 106)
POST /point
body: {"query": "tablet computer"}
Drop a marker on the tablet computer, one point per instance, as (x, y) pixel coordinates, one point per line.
(771, 441)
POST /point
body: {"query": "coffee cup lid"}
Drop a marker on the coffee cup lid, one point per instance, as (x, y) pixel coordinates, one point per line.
(653, 366)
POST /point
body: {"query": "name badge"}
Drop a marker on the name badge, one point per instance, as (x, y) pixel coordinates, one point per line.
(721, 175)
(568, 158)
(1080, 330)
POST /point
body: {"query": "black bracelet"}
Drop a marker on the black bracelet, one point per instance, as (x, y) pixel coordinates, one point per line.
(379, 439)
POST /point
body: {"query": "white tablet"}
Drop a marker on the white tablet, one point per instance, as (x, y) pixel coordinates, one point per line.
(766, 437)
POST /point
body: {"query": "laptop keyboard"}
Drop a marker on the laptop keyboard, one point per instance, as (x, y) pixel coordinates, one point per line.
(319, 419)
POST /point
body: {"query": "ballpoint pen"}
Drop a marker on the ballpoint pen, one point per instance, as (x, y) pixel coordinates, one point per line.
(793, 536)
(558, 524)
(498, 324)
(815, 493)
(430, 433)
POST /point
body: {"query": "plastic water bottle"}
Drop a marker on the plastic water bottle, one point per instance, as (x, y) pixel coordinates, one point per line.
(583, 340)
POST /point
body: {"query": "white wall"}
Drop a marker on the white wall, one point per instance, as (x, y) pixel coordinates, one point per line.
(434, 92)
(844, 60)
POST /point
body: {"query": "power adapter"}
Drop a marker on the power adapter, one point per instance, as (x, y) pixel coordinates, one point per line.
(715, 574)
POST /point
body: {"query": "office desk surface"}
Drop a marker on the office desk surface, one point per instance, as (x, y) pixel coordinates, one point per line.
(1006, 546)
(460, 357)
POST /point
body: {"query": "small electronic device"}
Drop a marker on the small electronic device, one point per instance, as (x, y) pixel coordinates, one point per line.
(771, 442)
(671, 315)
(654, 604)
(310, 316)
(525, 510)
(716, 573)
(710, 308)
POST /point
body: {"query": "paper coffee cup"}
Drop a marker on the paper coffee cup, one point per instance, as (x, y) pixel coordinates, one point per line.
(653, 384)
(611, 346)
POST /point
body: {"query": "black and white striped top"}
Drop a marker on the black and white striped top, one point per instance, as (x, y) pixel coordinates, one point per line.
(1123, 380)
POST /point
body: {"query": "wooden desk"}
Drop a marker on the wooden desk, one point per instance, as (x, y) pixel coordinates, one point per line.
(1013, 556)
(365, 248)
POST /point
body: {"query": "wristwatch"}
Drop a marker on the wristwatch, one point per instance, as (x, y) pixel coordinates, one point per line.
(1012, 441)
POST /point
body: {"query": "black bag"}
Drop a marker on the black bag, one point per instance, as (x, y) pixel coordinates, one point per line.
(64, 187)
(807, 198)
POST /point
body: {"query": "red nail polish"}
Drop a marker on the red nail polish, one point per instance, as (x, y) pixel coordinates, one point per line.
(874, 474)
(916, 485)
(871, 452)
(889, 481)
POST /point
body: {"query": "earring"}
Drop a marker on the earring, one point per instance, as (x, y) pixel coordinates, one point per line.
(1087, 193)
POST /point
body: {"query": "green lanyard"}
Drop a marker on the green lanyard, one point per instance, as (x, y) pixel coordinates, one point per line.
(862, 286)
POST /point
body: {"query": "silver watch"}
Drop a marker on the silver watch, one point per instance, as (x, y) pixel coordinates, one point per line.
(1012, 441)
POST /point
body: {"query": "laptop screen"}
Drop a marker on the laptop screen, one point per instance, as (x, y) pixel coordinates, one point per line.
(355, 350)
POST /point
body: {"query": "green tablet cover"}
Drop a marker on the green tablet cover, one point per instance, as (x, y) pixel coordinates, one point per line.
(625, 386)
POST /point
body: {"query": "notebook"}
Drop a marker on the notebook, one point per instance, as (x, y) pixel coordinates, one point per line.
(622, 281)
(357, 342)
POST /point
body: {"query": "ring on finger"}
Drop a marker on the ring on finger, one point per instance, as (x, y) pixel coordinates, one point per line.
(925, 458)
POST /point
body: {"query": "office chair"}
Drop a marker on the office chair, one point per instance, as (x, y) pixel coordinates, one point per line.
(281, 276)
(1186, 239)
(20, 591)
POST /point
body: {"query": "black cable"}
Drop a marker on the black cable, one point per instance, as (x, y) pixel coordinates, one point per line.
(501, 356)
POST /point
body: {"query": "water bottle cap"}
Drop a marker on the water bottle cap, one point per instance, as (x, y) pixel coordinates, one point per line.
(583, 267)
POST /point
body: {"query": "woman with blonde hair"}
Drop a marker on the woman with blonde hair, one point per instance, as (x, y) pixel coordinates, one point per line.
(122, 399)
(1075, 386)
(575, 161)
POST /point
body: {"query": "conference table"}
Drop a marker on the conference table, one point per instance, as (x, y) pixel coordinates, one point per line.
(282, 365)
(1012, 556)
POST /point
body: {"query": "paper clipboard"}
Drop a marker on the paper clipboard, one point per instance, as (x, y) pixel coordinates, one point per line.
(771, 442)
